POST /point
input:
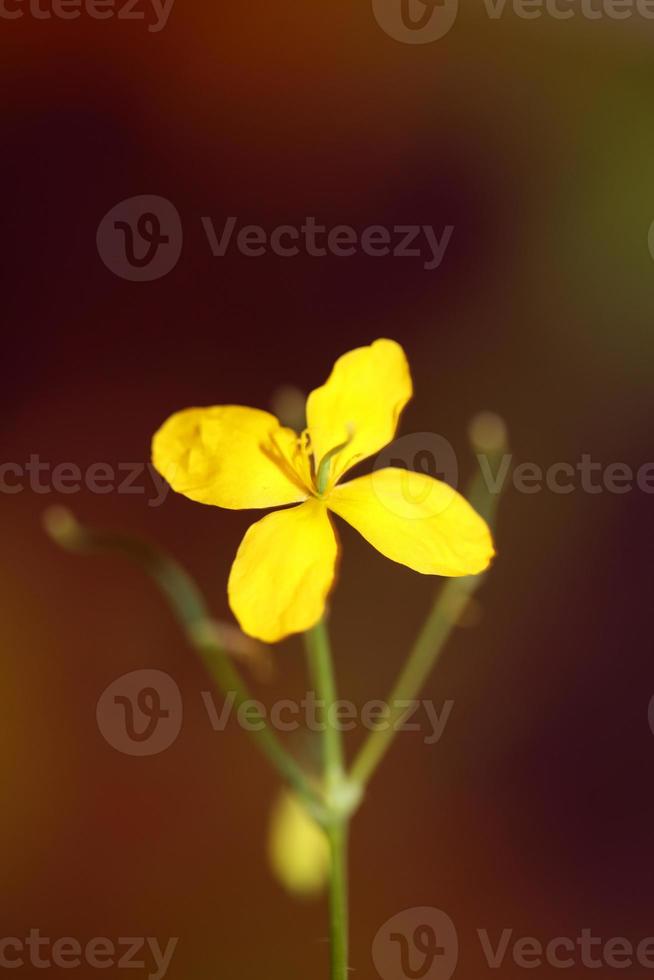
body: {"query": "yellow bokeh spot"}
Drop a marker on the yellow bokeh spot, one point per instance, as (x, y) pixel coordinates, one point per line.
(297, 848)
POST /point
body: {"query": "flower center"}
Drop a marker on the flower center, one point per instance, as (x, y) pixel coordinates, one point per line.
(324, 469)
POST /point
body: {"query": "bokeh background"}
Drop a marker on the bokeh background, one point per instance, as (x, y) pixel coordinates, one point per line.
(534, 139)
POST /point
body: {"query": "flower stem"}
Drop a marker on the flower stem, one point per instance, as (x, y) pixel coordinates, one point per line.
(337, 797)
(322, 674)
(432, 638)
(428, 646)
(338, 899)
(190, 610)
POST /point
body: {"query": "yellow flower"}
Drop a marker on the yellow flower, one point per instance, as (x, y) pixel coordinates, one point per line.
(237, 457)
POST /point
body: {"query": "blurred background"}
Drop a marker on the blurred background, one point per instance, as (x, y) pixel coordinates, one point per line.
(534, 140)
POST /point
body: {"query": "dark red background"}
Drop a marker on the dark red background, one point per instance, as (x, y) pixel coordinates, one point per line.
(534, 140)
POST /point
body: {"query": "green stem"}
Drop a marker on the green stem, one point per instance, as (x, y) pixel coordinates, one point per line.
(424, 655)
(322, 674)
(189, 608)
(229, 680)
(338, 797)
(338, 899)
(431, 640)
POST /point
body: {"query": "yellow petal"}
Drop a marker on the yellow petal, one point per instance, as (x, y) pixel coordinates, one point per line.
(363, 398)
(298, 848)
(417, 521)
(229, 456)
(283, 572)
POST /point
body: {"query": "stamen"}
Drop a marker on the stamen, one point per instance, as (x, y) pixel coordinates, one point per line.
(322, 479)
(304, 443)
(287, 465)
